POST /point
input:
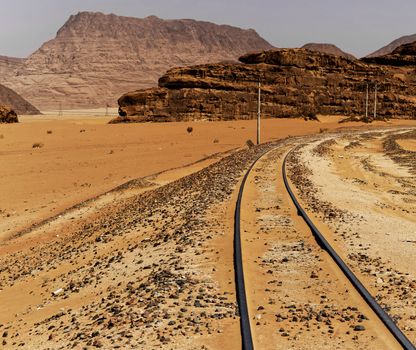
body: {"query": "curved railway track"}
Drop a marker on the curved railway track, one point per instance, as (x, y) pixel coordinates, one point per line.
(247, 340)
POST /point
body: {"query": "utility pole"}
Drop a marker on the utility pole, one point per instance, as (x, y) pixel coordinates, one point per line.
(366, 104)
(258, 114)
(375, 102)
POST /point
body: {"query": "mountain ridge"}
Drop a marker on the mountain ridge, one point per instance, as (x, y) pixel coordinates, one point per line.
(95, 57)
(389, 48)
(328, 48)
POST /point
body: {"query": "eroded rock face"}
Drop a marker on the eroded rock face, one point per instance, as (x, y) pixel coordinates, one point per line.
(294, 83)
(94, 57)
(8, 115)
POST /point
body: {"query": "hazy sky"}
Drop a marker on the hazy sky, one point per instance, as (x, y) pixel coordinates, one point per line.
(356, 26)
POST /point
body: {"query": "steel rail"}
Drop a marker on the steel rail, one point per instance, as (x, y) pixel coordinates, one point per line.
(247, 340)
(384, 317)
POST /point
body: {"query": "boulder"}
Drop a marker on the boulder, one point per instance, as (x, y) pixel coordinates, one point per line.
(7, 115)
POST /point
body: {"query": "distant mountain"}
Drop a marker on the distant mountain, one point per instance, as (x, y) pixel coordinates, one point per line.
(9, 65)
(385, 50)
(328, 48)
(10, 98)
(403, 55)
(94, 57)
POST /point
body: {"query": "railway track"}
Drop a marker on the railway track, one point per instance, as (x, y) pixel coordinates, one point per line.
(246, 334)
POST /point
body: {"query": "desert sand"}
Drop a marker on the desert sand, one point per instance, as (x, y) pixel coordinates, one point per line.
(81, 156)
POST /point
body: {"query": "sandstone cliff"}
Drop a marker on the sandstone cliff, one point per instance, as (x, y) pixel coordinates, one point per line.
(389, 48)
(10, 98)
(328, 48)
(95, 57)
(295, 83)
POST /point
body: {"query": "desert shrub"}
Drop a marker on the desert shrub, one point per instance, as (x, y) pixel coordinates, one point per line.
(37, 145)
(49, 132)
(216, 141)
(1, 136)
(189, 129)
(308, 112)
(249, 143)
(310, 115)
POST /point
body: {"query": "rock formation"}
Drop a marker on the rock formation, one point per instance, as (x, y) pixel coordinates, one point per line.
(18, 103)
(328, 48)
(295, 83)
(94, 58)
(404, 55)
(385, 50)
(7, 115)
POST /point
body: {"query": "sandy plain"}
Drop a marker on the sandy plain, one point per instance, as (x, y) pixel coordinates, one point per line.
(81, 156)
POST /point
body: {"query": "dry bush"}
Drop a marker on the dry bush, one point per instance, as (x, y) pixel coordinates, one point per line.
(250, 143)
(189, 129)
(37, 145)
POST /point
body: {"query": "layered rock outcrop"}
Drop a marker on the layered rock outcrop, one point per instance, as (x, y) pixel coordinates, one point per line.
(94, 57)
(7, 115)
(294, 83)
(18, 103)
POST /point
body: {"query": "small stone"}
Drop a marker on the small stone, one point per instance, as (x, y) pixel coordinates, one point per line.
(97, 343)
(57, 292)
(359, 328)
(314, 274)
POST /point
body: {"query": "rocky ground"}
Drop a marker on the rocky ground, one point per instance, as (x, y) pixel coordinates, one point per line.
(298, 298)
(362, 188)
(154, 270)
(139, 274)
